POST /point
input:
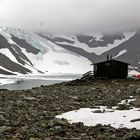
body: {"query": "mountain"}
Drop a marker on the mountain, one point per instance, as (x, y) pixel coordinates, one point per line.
(96, 46)
(23, 52)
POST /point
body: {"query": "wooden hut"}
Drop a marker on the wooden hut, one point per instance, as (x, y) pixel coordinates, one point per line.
(110, 69)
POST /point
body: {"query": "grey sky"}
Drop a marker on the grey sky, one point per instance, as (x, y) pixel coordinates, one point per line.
(71, 16)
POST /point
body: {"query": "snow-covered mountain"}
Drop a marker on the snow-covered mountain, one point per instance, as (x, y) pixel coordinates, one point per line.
(22, 52)
(95, 46)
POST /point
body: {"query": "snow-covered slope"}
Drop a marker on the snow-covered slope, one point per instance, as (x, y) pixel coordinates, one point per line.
(96, 46)
(22, 52)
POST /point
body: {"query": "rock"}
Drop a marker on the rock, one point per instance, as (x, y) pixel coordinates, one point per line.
(135, 120)
(61, 122)
(57, 127)
(100, 137)
(138, 90)
(30, 114)
(97, 111)
(113, 137)
(29, 98)
(32, 139)
(132, 136)
(123, 107)
(131, 86)
(118, 91)
(48, 138)
(51, 123)
(4, 128)
(136, 102)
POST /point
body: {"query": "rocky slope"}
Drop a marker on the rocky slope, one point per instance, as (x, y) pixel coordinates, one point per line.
(30, 114)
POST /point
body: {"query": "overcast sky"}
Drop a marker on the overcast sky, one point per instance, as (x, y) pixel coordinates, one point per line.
(71, 16)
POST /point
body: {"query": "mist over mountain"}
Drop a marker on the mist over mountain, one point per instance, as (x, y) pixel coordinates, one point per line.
(71, 16)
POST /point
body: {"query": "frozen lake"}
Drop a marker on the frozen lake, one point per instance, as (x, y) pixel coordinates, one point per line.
(28, 82)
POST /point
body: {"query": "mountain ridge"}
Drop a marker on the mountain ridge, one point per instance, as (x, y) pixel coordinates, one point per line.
(127, 49)
(22, 52)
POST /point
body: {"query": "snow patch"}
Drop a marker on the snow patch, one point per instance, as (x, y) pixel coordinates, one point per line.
(126, 102)
(103, 115)
(7, 36)
(6, 81)
(133, 72)
(120, 53)
(8, 54)
(68, 37)
(97, 36)
(115, 118)
(68, 63)
(5, 69)
(133, 67)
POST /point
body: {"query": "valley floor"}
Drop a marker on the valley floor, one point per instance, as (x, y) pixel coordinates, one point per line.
(31, 114)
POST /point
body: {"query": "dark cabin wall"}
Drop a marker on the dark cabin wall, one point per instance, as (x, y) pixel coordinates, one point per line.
(111, 69)
(120, 70)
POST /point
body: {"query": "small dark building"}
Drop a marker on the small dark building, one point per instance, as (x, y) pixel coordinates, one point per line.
(111, 69)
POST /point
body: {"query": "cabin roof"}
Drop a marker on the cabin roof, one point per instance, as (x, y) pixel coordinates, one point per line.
(110, 61)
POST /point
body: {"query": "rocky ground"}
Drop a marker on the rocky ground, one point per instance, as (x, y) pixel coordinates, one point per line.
(30, 114)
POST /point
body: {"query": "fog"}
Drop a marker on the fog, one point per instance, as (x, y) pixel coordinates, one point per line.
(71, 16)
